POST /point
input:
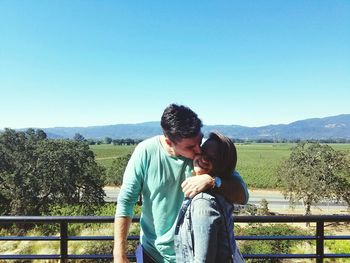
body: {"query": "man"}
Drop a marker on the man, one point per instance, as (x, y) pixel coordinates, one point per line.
(156, 169)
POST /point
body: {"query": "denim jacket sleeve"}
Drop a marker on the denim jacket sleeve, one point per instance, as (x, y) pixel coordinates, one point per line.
(206, 220)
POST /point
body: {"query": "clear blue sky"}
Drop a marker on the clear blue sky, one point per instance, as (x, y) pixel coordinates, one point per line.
(85, 63)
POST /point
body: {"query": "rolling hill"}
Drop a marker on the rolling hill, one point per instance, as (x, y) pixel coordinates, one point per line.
(317, 128)
(334, 127)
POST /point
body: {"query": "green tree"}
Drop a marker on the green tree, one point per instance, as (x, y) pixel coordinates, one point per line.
(116, 171)
(78, 137)
(108, 140)
(311, 174)
(36, 172)
(91, 141)
(341, 186)
(116, 142)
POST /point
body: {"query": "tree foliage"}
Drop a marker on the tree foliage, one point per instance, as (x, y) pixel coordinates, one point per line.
(78, 137)
(341, 186)
(116, 171)
(36, 172)
(108, 140)
(314, 172)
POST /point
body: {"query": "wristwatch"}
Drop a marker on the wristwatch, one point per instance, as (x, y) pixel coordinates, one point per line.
(217, 182)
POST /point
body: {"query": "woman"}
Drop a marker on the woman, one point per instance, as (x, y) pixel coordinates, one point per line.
(204, 231)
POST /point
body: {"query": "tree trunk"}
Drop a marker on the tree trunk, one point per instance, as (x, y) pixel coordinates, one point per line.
(307, 204)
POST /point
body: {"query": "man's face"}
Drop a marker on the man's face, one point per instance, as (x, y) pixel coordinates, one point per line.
(188, 147)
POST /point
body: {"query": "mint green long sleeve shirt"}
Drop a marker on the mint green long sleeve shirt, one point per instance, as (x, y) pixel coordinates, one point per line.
(158, 176)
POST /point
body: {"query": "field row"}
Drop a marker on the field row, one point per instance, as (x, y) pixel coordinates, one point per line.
(257, 163)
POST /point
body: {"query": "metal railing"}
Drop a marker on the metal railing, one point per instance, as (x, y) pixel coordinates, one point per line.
(63, 238)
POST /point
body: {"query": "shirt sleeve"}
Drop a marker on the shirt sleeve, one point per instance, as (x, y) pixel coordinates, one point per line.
(206, 220)
(132, 183)
(237, 177)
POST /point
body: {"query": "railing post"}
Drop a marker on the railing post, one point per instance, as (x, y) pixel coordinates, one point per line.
(320, 241)
(64, 241)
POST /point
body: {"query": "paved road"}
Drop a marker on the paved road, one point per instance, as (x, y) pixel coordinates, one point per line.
(275, 200)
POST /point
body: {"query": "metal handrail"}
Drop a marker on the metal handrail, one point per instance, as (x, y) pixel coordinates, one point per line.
(319, 237)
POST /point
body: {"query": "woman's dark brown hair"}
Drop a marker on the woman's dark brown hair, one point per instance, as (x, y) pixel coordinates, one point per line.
(226, 159)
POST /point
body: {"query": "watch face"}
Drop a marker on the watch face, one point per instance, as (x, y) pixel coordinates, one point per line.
(217, 182)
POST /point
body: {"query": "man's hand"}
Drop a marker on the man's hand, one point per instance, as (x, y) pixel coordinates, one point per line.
(197, 184)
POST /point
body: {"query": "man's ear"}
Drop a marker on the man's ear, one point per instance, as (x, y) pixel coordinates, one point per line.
(168, 142)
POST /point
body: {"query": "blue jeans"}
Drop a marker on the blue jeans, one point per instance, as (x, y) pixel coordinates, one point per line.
(142, 256)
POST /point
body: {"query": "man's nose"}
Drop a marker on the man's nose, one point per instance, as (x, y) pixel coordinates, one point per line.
(197, 150)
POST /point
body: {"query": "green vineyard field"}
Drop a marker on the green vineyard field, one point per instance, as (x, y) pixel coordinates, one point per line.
(257, 162)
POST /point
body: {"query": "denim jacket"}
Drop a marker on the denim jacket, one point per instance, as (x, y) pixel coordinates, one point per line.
(205, 232)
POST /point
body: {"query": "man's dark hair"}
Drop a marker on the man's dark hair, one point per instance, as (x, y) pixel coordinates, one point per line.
(179, 122)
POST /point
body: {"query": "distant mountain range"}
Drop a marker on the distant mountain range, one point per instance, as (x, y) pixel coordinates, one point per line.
(334, 127)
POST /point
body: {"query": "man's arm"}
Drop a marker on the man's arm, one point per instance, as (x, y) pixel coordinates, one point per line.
(234, 189)
(121, 230)
(127, 198)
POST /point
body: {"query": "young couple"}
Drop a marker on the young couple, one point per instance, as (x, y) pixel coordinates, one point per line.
(161, 169)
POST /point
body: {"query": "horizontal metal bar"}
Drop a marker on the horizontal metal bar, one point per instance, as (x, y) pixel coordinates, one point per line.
(292, 219)
(265, 256)
(58, 219)
(275, 237)
(90, 238)
(132, 256)
(108, 238)
(99, 256)
(101, 238)
(337, 237)
(29, 238)
(57, 238)
(56, 256)
(92, 256)
(53, 256)
(337, 255)
(238, 219)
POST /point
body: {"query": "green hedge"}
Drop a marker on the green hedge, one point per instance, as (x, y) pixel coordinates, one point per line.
(267, 246)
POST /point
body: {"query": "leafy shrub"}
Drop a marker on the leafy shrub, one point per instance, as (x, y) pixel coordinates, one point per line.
(268, 246)
(75, 210)
(338, 247)
(263, 207)
(248, 209)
